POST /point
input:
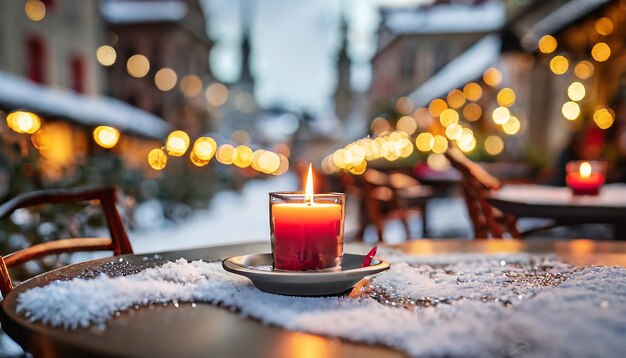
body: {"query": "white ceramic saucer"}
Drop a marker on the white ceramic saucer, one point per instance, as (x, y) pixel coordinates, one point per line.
(258, 268)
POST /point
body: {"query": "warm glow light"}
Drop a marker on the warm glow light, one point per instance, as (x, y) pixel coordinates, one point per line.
(407, 125)
(225, 154)
(283, 167)
(570, 110)
(456, 98)
(40, 139)
(506, 97)
(547, 44)
(204, 148)
(359, 168)
(466, 136)
(106, 55)
(440, 144)
(467, 142)
(472, 91)
(216, 94)
(437, 106)
(472, 112)
(35, 10)
(423, 118)
(404, 105)
(342, 158)
(406, 147)
(448, 117)
(177, 143)
(585, 170)
(157, 159)
(357, 152)
(601, 52)
(492, 77)
(454, 131)
(424, 142)
(379, 125)
(437, 162)
(559, 65)
(501, 115)
(512, 126)
(197, 161)
(191, 85)
(242, 156)
(494, 145)
(138, 66)
(269, 162)
(308, 190)
(604, 26)
(23, 122)
(165, 79)
(583, 70)
(576, 91)
(105, 136)
(603, 118)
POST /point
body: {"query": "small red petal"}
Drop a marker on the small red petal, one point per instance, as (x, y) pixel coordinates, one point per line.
(368, 258)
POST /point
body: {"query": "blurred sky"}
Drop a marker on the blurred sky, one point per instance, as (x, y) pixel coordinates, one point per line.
(295, 44)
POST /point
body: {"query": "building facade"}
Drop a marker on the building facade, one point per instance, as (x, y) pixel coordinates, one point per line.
(57, 50)
(172, 36)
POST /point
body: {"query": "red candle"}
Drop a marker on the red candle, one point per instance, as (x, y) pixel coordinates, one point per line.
(307, 230)
(585, 182)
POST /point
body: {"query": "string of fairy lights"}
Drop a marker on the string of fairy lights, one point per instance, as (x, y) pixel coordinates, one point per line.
(203, 150)
(433, 128)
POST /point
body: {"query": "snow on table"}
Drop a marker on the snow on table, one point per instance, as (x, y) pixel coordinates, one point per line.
(457, 305)
(610, 195)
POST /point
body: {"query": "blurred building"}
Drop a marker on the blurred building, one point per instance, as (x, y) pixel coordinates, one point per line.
(162, 63)
(414, 44)
(48, 66)
(344, 95)
(578, 81)
(57, 50)
(240, 112)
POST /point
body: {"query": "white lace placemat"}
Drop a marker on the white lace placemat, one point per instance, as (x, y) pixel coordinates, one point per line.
(459, 305)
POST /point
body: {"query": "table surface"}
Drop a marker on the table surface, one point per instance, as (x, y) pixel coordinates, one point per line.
(611, 195)
(208, 330)
(558, 203)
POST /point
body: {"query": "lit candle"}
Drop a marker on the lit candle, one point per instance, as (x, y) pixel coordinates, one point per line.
(307, 229)
(585, 181)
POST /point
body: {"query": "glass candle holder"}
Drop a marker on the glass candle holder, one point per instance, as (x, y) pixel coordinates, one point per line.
(307, 236)
(585, 178)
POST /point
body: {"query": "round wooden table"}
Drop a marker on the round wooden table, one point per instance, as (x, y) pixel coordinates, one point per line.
(558, 203)
(207, 330)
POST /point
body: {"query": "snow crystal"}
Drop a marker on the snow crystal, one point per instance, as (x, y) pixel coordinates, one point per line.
(456, 305)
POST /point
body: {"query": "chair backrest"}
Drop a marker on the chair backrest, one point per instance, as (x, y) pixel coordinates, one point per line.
(477, 184)
(106, 196)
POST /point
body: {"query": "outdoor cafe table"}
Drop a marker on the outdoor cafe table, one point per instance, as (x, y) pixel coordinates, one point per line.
(558, 203)
(208, 330)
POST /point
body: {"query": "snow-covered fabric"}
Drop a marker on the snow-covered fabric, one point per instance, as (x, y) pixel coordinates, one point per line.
(459, 305)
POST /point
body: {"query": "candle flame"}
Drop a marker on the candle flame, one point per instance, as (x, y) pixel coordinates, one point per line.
(308, 191)
(585, 170)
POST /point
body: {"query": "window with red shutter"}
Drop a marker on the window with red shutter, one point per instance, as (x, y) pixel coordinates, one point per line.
(78, 73)
(36, 59)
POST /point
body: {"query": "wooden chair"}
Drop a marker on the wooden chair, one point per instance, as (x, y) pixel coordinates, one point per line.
(477, 183)
(389, 196)
(106, 196)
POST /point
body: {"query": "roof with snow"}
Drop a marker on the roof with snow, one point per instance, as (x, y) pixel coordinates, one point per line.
(441, 19)
(19, 93)
(134, 11)
(466, 68)
(559, 19)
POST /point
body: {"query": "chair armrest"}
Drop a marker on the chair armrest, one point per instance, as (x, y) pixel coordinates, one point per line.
(55, 196)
